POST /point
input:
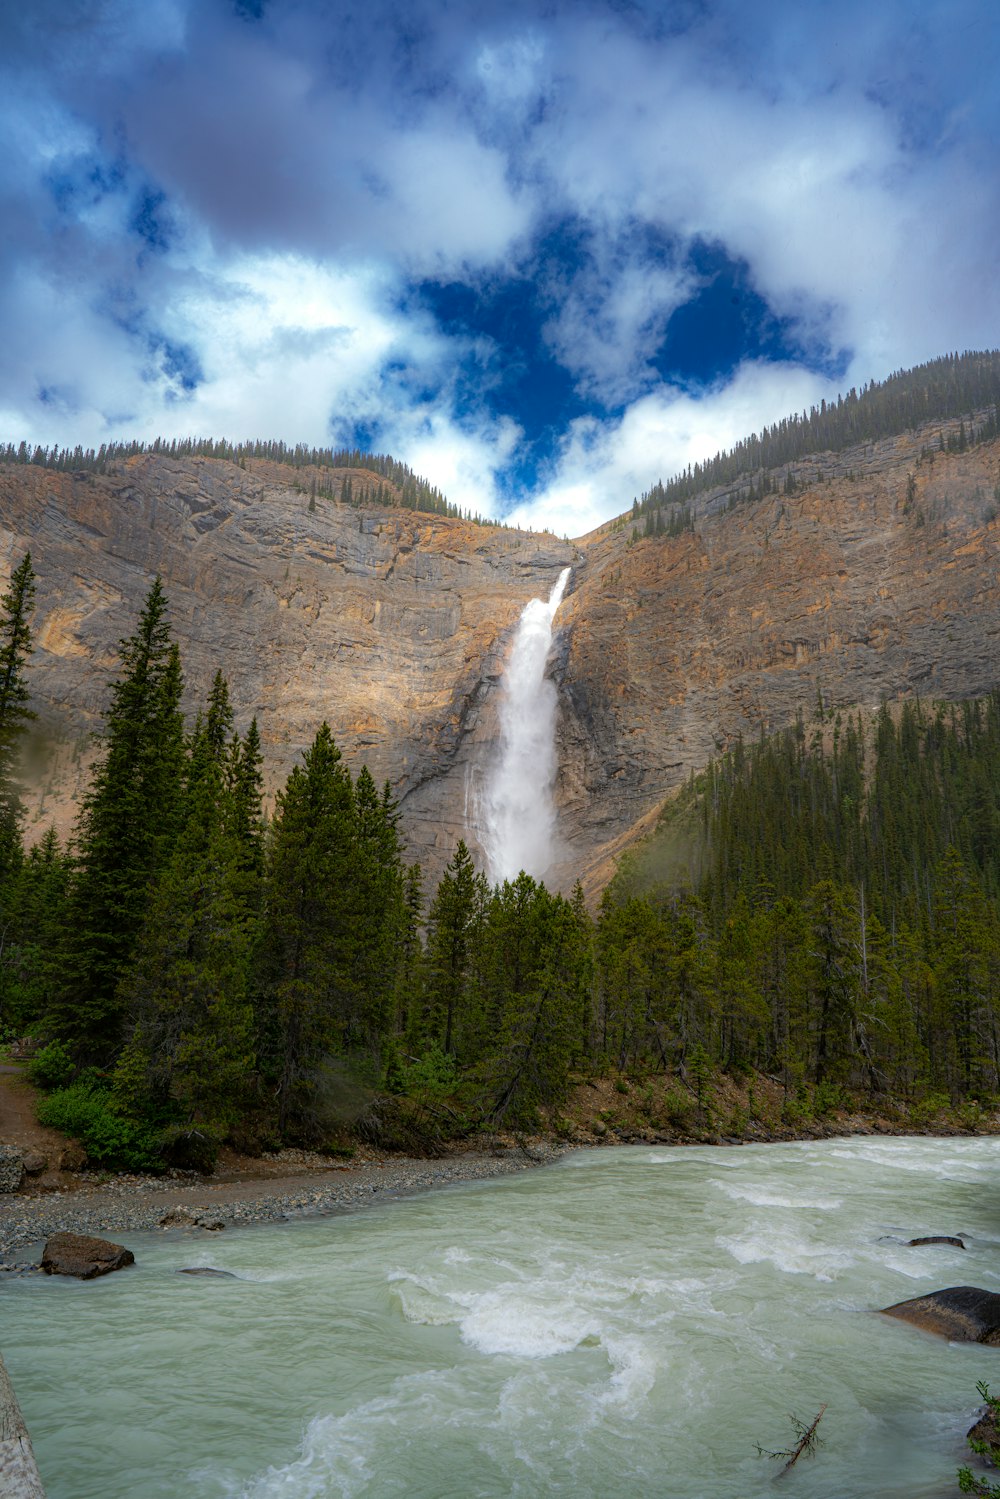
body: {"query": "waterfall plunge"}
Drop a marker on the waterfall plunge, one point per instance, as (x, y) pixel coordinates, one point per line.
(517, 813)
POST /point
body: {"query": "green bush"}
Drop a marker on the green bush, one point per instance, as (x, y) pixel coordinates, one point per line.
(52, 1067)
(678, 1108)
(827, 1097)
(88, 1114)
(190, 1147)
(434, 1076)
(927, 1110)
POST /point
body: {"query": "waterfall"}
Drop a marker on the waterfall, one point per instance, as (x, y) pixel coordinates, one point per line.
(517, 813)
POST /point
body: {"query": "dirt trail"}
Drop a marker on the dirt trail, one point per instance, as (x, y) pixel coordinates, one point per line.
(18, 1125)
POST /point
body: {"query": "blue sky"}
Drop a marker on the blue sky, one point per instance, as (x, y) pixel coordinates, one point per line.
(546, 253)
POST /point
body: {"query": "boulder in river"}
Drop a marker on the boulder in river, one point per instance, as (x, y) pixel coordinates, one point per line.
(935, 1239)
(208, 1270)
(963, 1314)
(85, 1257)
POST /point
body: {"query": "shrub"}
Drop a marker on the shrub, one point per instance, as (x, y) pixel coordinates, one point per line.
(678, 1108)
(928, 1109)
(88, 1114)
(190, 1147)
(52, 1067)
(827, 1097)
(433, 1076)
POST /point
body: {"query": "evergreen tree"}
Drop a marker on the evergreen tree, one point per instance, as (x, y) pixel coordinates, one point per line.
(452, 923)
(124, 835)
(15, 645)
(308, 940)
(189, 1054)
(34, 917)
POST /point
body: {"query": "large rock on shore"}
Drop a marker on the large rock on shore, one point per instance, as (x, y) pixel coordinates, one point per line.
(11, 1168)
(963, 1314)
(84, 1256)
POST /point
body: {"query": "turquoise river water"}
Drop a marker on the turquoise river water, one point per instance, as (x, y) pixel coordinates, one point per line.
(628, 1322)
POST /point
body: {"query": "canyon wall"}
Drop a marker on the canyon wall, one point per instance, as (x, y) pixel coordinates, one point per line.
(877, 577)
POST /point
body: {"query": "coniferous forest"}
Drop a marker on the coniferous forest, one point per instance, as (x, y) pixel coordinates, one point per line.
(821, 907)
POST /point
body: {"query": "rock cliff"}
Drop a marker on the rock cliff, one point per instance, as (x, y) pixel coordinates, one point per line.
(876, 578)
(389, 623)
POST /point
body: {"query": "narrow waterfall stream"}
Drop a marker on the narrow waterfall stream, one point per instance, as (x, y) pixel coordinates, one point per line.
(628, 1322)
(516, 809)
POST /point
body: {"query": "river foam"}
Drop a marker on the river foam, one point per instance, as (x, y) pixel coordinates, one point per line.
(628, 1322)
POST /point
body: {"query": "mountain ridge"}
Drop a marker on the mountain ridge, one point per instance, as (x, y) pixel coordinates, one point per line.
(872, 574)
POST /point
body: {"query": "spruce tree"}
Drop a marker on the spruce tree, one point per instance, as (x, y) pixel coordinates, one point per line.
(308, 941)
(124, 835)
(15, 645)
(190, 1052)
(450, 938)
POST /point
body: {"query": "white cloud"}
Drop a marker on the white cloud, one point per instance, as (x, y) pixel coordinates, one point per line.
(604, 465)
(317, 163)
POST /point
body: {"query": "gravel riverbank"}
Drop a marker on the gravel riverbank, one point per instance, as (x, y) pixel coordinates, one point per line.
(134, 1204)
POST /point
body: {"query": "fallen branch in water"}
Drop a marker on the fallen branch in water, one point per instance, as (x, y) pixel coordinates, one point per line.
(807, 1442)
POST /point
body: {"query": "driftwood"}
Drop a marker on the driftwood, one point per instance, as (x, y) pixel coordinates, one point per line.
(807, 1442)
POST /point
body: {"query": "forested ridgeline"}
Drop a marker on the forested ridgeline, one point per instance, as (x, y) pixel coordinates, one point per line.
(951, 389)
(314, 469)
(821, 907)
(825, 904)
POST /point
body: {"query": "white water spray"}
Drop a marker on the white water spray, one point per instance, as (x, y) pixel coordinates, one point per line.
(517, 811)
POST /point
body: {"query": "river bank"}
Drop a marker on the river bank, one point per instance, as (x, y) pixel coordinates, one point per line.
(601, 1111)
(108, 1206)
(298, 1184)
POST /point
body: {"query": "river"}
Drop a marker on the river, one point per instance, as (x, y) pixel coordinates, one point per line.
(627, 1322)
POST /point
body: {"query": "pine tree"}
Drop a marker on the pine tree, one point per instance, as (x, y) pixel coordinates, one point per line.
(451, 928)
(190, 1052)
(307, 947)
(124, 835)
(34, 918)
(15, 644)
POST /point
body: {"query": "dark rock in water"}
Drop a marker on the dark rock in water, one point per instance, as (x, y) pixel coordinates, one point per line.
(83, 1256)
(207, 1270)
(936, 1239)
(963, 1314)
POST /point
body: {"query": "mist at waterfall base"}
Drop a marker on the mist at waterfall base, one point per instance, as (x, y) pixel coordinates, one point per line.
(515, 811)
(628, 1322)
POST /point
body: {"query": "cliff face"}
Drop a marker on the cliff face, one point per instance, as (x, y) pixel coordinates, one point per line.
(389, 623)
(876, 579)
(393, 625)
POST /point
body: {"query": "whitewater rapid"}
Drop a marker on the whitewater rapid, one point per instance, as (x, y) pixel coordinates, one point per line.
(627, 1322)
(516, 811)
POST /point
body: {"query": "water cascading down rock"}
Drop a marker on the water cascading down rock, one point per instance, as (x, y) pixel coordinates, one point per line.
(517, 812)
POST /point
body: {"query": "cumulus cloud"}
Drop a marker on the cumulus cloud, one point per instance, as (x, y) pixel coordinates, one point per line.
(216, 215)
(602, 459)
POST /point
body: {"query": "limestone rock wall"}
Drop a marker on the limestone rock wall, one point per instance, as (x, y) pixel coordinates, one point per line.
(876, 578)
(860, 586)
(388, 623)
